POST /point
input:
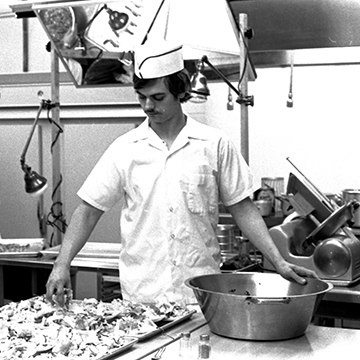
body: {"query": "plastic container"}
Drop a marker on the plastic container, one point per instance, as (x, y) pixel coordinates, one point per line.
(185, 348)
(204, 347)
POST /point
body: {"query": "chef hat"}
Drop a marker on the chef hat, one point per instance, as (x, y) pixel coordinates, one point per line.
(158, 59)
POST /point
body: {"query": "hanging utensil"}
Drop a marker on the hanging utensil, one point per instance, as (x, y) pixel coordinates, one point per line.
(230, 104)
(290, 102)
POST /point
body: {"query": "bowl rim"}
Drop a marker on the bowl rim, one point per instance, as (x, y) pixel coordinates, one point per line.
(329, 285)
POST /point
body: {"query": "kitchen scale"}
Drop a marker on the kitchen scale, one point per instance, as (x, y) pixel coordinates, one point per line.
(318, 235)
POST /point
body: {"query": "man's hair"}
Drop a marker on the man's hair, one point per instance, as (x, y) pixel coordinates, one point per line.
(177, 83)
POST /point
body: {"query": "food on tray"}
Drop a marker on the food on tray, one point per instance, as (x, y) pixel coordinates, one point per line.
(85, 329)
(21, 245)
(237, 262)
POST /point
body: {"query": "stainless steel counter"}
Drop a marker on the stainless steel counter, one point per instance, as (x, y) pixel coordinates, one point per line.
(147, 349)
(317, 343)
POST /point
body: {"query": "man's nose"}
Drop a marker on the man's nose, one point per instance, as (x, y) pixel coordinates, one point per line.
(149, 105)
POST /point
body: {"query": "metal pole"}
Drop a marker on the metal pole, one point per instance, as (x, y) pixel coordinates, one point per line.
(41, 206)
(56, 151)
(244, 117)
(25, 28)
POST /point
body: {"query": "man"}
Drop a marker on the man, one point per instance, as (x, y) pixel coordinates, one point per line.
(170, 173)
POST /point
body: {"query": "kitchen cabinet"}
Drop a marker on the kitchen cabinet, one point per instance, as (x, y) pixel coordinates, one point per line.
(32, 274)
(108, 286)
(340, 307)
(22, 278)
(21, 283)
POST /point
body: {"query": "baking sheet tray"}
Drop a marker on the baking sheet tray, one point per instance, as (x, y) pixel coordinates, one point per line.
(20, 254)
(21, 248)
(127, 346)
(131, 339)
(90, 250)
(164, 325)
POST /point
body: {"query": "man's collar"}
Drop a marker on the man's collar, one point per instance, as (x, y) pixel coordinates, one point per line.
(192, 129)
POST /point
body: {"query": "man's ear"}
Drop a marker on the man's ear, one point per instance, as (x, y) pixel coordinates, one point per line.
(183, 97)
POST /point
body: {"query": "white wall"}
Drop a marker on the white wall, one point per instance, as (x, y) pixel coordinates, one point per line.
(11, 42)
(320, 134)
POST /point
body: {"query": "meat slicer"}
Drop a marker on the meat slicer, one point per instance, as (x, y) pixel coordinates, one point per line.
(318, 235)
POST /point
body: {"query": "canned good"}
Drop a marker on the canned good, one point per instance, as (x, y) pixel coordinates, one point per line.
(225, 229)
(225, 234)
(349, 195)
(265, 207)
(277, 184)
(265, 196)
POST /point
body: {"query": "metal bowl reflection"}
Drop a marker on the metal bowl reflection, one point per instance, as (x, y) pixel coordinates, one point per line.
(257, 306)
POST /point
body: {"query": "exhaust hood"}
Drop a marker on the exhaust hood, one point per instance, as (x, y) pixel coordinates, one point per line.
(317, 31)
(95, 39)
(311, 31)
(301, 24)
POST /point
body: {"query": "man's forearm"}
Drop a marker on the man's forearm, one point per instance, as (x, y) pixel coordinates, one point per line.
(252, 225)
(81, 226)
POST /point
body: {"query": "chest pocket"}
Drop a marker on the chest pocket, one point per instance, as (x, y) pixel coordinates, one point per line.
(202, 195)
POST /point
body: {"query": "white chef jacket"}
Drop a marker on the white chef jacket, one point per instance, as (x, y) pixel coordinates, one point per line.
(170, 212)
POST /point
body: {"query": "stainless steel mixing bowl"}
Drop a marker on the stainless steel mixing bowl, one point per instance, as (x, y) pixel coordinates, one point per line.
(257, 306)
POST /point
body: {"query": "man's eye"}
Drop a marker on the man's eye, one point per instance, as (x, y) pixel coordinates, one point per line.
(158, 98)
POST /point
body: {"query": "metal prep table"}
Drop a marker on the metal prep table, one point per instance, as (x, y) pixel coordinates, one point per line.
(317, 343)
(339, 304)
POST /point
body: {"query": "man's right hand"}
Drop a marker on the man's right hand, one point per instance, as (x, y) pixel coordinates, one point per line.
(82, 223)
(57, 285)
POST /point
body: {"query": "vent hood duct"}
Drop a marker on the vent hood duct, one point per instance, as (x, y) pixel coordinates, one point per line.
(320, 31)
(202, 29)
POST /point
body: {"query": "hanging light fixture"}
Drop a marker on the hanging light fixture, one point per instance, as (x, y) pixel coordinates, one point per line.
(199, 88)
(35, 184)
(200, 92)
(230, 104)
(290, 101)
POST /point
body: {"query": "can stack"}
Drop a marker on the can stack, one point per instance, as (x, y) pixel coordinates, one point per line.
(227, 237)
(225, 234)
(276, 184)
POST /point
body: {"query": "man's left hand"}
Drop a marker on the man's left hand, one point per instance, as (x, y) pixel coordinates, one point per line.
(295, 272)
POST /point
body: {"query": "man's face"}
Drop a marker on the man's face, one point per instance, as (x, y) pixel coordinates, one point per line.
(157, 102)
